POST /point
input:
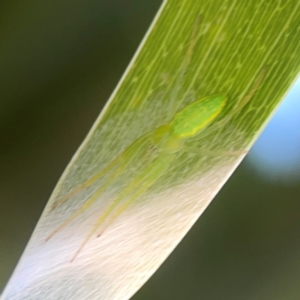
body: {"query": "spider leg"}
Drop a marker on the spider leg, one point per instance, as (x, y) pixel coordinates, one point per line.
(125, 157)
(196, 151)
(87, 183)
(89, 202)
(140, 184)
(184, 67)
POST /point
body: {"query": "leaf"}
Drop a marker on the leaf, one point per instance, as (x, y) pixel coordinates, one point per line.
(246, 50)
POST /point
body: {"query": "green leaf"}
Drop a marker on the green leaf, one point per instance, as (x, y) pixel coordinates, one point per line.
(246, 50)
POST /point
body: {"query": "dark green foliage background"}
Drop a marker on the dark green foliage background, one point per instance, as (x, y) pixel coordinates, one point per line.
(59, 62)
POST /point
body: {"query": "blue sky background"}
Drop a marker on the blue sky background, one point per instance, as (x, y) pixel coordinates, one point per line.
(276, 153)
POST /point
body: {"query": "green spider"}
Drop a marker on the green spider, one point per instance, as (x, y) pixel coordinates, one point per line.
(158, 148)
(164, 143)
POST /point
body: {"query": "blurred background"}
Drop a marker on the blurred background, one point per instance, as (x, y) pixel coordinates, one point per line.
(59, 62)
